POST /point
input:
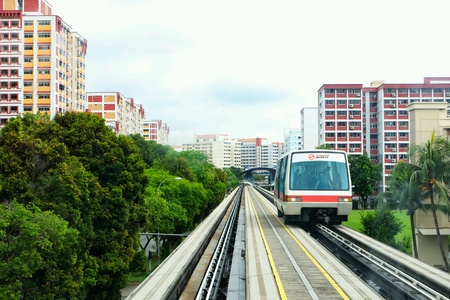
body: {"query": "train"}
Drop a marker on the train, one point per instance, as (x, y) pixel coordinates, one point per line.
(313, 186)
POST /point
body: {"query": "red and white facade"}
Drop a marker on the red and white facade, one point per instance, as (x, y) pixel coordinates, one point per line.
(121, 114)
(156, 130)
(374, 119)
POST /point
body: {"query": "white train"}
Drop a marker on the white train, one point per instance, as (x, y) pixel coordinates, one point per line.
(313, 186)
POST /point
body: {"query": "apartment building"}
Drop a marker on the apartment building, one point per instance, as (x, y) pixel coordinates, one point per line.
(121, 114)
(293, 140)
(222, 151)
(309, 125)
(156, 130)
(42, 61)
(259, 152)
(375, 119)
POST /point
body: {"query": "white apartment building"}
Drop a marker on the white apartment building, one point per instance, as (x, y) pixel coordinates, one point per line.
(258, 152)
(222, 151)
(292, 140)
(309, 126)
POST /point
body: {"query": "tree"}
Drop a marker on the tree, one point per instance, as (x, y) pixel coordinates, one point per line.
(365, 174)
(38, 256)
(381, 224)
(431, 163)
(118, 166)
(408, 194)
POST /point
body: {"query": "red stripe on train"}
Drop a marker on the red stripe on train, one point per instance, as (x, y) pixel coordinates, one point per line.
(310, 198)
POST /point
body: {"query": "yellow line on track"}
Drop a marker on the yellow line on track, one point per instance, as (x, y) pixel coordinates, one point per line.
(315, 262)
(269, 255)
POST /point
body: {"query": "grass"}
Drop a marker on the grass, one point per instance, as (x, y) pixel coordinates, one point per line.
(354, 222)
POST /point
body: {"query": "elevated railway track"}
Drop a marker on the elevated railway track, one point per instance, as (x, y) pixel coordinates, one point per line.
(243, 251)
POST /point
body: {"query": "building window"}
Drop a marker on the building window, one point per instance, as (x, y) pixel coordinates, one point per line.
(28, 71)
(43, 59)
(329, 91)
(44, 47)
(27, 83)
(44, 34)
(44, 83)
(341, 91)
(44, 22)
(28, 23)
(28, 47)
(28, 35)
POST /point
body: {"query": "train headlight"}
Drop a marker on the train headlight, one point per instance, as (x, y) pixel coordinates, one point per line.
(344, 199)
(294, 199)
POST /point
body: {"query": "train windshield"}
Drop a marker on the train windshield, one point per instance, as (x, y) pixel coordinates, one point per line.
(319, 171)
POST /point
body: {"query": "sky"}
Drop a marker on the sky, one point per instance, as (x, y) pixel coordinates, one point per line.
(246, 68)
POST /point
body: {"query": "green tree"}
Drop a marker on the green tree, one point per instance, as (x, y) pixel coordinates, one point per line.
(381, 224)
(431, 162)
(408, 194)
(324, 147)
(117, 164)
(38, 256)
(365, 175)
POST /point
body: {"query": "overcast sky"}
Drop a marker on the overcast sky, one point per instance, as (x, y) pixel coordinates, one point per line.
(246, 68)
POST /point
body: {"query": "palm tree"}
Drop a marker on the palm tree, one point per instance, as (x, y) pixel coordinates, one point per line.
(432, 162)
(408, 194)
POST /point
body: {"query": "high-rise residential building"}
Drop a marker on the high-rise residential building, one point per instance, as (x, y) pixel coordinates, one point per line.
(222, 151)
(42, 61)
(122, 114)
(309, 126)
(156, 130)
(375, 119)
(259, 152)
(292, 140)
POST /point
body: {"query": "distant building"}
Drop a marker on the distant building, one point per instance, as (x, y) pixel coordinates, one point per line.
(258, 152)
(121, 114)
(292, 140)
(156, 130)
(222, 151)
(309, 128)
(375, 119)
(42, 61)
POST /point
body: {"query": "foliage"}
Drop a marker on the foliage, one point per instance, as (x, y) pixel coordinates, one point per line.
(87, 194)
(404, 192)
(77, 168)
(431, 163)
(31, 242)
(365, 174)
(324, 147)
(381, 224)
(233, 180)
